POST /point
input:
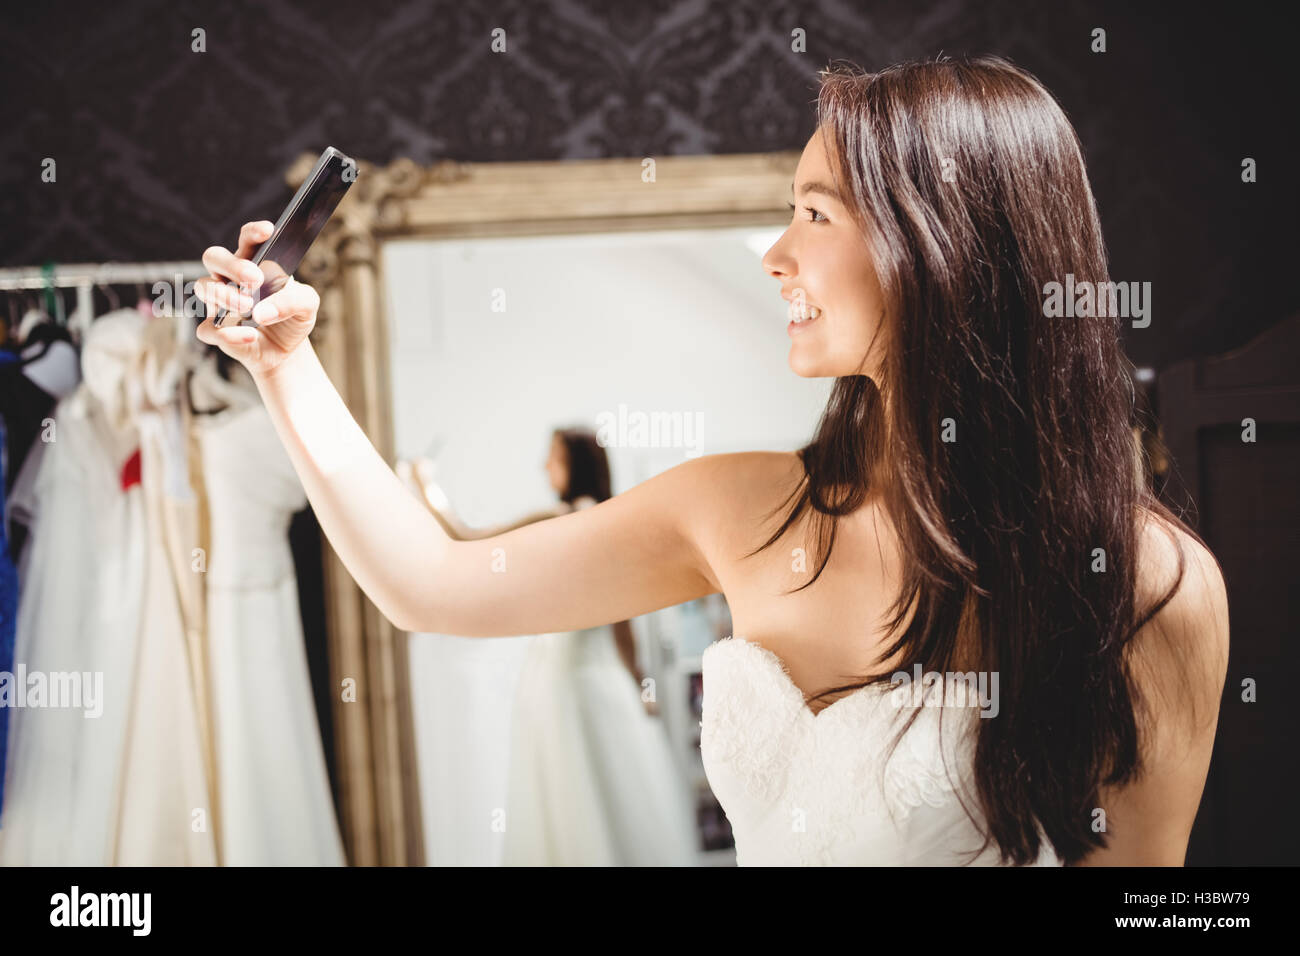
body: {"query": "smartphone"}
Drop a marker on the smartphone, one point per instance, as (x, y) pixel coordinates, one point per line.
(299, 225)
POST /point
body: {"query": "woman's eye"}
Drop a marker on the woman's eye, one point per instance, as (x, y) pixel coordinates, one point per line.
(816, 216)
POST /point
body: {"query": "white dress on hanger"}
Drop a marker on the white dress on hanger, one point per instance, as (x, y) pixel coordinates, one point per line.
(167, 791)
(592, 781)
(96, 597)
(81, 581)
(275, 802)
(805, 789)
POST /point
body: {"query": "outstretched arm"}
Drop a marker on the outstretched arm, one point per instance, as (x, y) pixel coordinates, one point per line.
(627, 556)
(436, 501)
(416, 474)
(632, 554)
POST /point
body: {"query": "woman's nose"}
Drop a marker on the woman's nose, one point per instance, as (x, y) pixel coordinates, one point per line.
(776, 262)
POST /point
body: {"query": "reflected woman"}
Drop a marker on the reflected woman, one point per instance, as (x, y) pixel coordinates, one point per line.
(592, 780)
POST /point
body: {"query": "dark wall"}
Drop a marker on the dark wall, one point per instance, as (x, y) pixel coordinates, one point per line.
(162, 151)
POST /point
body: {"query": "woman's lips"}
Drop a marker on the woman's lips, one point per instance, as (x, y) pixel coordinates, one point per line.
(801, 315)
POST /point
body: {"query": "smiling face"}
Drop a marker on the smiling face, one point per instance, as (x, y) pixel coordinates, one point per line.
(826, 274)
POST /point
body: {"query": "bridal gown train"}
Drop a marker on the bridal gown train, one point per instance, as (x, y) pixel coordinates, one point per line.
(592, 780)
(805, 789)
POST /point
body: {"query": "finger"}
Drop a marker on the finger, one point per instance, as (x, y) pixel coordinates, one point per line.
(216, 294)
(222, 262)
(237, 341)
(252, 235)
(295, 299)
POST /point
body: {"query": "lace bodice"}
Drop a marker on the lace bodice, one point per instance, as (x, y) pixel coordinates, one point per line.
(805, 789)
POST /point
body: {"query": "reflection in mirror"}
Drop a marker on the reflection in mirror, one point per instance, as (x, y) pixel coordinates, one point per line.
(531, 375)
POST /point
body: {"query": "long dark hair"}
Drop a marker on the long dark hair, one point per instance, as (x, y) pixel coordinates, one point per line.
(588, 465)
(969, 186)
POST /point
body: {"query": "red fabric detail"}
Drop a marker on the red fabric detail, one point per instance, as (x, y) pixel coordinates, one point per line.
(131, 470)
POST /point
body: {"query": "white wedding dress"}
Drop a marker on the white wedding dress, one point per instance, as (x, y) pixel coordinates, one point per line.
(805, 789)
(102, 594)
(275, 803)
(123, 786)
(592, 780)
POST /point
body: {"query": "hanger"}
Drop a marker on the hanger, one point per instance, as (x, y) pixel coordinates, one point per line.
(218, 384)
(12, 302)
(143, 304)
(189, 397)
(53, 304)
(33, 317)
(114, 303)
(54, 312)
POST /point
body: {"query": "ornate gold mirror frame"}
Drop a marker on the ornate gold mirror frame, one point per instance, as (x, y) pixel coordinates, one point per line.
(380, 806)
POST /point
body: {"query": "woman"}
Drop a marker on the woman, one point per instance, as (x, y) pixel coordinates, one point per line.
(592, 780)
(970, 502)
(577, 469)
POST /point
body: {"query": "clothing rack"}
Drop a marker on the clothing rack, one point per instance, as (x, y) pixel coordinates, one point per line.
(92, 274)
(85, 277)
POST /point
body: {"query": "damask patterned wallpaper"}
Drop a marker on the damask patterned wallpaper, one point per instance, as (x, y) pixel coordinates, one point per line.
(162, 151)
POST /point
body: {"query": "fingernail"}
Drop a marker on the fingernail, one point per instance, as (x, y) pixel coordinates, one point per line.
(265, 310)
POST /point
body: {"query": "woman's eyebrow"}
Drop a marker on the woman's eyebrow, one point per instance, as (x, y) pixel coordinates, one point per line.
(816, 186)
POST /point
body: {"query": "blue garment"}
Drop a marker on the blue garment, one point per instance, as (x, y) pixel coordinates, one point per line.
(8, 617)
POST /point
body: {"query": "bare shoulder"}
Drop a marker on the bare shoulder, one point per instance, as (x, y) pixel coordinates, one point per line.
(725, 498)
(739, 488)
(1191, 630)
(738, 482)
(1179, 664)
(759, 466)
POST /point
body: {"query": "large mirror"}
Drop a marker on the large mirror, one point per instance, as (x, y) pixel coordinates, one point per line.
(508, 334)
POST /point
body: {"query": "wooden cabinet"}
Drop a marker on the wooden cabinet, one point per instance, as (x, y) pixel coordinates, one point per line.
(1241, 492)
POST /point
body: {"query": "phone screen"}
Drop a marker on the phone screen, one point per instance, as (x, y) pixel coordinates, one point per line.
(302, 221)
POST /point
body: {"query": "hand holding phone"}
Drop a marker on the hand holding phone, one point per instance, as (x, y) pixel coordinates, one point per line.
(284, 319)
(256, 280)
(300, 224)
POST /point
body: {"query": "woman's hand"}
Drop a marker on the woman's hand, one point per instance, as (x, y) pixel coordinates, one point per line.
(284, 318)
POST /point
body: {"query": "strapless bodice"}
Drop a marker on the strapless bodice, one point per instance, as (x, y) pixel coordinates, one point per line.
(822, 789)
